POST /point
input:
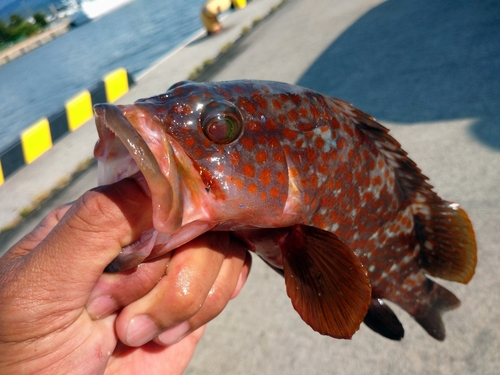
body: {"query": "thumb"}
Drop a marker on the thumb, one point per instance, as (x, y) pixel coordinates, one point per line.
(89, 236)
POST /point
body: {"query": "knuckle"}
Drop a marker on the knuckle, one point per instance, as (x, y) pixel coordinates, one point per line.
(187, 304)
(97, 204)
(94, 212)
(188, 295)
(217, 300)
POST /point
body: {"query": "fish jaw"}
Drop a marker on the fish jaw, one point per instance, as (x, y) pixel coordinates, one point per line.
(132, 144)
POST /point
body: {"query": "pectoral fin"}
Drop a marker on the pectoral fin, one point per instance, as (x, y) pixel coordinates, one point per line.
(326, 282)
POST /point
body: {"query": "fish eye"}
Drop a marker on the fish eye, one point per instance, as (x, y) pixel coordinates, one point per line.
(221, 122)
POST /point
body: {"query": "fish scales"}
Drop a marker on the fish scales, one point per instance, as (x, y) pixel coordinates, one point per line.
(363, 186)
(314, 186)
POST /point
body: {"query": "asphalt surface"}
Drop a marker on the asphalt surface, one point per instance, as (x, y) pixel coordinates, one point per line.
(429, 71)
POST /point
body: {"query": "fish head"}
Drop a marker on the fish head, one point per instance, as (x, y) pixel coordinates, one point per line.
(198, 153)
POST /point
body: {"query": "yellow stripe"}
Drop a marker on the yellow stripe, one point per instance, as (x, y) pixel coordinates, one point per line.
(79, 110)
(239, 4)
(36, 140)
(1, 174)
(115, 84)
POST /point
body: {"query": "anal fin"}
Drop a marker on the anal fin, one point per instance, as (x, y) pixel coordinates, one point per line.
(325, 280)
(381, 319)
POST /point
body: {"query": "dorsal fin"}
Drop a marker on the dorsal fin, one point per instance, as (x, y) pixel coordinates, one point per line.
(444, 233)
(326, 282)
(412, 182)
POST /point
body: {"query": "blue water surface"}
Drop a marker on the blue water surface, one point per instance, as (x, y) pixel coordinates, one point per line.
(134, 37)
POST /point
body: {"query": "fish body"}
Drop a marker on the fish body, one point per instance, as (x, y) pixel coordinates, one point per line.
(316, 187)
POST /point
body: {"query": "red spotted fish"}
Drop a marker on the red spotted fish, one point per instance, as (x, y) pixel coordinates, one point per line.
(315, 187)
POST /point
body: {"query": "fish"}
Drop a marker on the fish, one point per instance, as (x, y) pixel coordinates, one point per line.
(315, 187)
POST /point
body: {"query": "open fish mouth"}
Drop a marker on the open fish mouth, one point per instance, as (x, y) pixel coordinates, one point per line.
(123, 152)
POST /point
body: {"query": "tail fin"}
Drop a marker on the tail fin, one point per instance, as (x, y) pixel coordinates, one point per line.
(444, 232)
(431, 306)
(448, 250)
(447, 242)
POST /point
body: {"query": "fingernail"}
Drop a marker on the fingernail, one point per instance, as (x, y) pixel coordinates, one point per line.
(141, 330)
(174, 334)
(101, 307)
(239, 286)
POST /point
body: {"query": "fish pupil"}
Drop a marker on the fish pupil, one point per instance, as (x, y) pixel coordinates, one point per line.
(221, 129)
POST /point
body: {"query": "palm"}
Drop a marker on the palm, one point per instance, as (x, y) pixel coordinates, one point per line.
(79, 343)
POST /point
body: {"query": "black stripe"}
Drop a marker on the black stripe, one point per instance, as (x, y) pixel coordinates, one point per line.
(12, 158)
(98, 93)
(130, 80)
(58, 123)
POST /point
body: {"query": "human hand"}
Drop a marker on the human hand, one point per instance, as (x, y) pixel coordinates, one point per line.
(60, 314)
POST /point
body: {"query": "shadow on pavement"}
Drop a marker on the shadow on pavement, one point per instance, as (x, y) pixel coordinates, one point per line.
(417, 61)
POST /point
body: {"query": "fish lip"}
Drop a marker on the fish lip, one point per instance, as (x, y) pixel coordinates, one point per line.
(111, 122)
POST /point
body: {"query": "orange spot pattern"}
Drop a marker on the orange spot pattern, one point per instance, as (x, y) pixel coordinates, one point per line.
(248, 143)
(252, 188)
(346, 185)
(261, 156)
(248, 170)
(265, 176)
(190, 142)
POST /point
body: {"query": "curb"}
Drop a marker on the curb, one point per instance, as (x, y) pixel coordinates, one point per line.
(37, 139)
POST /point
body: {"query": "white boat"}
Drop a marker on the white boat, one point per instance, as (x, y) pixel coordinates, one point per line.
(92, 9)
(65, 9)
(97, 8)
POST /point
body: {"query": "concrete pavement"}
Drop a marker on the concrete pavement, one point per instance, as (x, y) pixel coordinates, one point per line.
(428, 70)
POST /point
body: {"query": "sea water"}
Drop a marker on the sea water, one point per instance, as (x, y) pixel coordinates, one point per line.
(134, 37)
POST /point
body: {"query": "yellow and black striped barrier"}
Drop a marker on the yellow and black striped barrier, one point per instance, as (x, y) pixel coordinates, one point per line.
(39, 137)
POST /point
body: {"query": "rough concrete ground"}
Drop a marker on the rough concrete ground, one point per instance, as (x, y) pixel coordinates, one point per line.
(428, 70)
